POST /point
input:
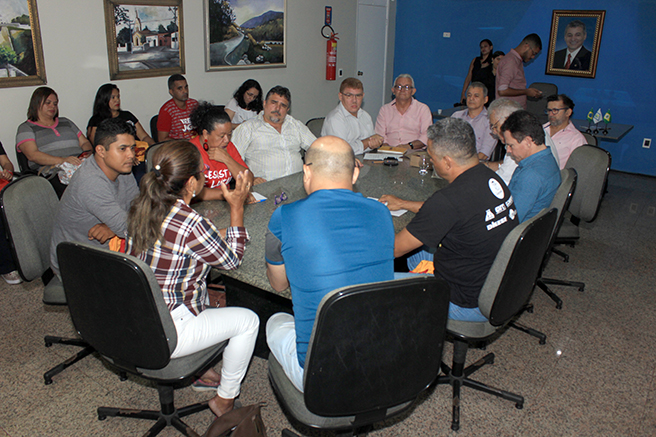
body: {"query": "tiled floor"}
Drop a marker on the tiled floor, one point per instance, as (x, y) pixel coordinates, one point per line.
(594, 377)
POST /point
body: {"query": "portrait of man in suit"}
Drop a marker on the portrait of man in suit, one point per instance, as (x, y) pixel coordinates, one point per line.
(574, 56)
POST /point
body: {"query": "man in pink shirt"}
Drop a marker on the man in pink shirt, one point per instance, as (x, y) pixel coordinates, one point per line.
(510, 80)
(404, 121)
(565, 136)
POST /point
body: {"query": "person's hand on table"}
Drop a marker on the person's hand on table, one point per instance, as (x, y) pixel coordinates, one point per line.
(259, 181)
(101, 232)
(374, 141)
(393, 203)
(250, 199)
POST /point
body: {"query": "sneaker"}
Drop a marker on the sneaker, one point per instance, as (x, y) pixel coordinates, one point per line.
(202, 385)
(12, 278)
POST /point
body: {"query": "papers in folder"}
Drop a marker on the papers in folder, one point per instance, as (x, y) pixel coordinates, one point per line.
(397, 213)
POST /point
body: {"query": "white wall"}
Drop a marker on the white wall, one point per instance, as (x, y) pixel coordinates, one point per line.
(75, 52)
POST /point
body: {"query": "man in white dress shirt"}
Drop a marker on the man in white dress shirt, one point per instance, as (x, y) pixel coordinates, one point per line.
(349, 121)
(271, 143)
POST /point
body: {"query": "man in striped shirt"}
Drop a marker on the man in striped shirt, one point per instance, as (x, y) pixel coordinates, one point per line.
(173, 121)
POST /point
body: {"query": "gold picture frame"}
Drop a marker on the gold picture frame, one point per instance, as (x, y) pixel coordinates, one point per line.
(571, 32)
(21, 51)
(145, 38)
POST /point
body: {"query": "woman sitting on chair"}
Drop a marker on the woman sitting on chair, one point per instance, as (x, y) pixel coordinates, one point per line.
(181, 247)
(221, 158)
(246, 103)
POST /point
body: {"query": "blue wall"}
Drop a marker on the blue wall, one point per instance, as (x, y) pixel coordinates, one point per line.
(625, 72)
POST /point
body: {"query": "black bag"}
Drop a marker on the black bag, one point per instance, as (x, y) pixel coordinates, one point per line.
(240, 422)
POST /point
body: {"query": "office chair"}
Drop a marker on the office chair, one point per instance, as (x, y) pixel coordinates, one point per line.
(592, 165)
(118, 307)
(150, 152)
(29, 206)
(374, 348)
(591, 139)
(504, 295)
(315, 125)
(154, 134)
(537, 106)
(24, 164)
(561, 202)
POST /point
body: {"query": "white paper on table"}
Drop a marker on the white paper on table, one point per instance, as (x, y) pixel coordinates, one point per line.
(258, 197)
(397, 213)
(380, 156)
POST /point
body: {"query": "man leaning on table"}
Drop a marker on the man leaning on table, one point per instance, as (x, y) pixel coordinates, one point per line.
(322, 243)
(349, 121)
(271, 143)
(465, 223)
(403, 121)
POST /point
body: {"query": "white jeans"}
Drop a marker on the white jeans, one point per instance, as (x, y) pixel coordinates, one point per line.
(281, 338)
(212, 326)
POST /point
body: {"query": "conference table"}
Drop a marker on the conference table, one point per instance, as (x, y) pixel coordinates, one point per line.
(375, 180)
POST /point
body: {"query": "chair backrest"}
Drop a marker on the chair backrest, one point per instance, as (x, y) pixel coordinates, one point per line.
(591, 139)
(375, 345)
(537, 106)
(117, 306)
(150, 152)
(514, 272)
(23, 163)
(29, 207)
(315, 125)
(592, 165)
(561, 202)
(153, 128)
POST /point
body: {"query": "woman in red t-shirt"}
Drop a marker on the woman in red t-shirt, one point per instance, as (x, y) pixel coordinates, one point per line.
(221, 158)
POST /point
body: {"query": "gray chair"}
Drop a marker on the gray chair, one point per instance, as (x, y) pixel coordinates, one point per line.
(537, 106)
(561, 202)
(591, 139)
(315, 125)
(592, 165)
(117, 306)
(29, 206)
(374, 348)
(150, 152)
(504, 295)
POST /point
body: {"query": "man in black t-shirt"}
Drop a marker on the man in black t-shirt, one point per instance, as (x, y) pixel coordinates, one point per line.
(465, 223)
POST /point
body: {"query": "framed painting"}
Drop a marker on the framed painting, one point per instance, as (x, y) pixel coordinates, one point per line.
(245, 34)
(145, 38)
(21, 52)
(574, 43)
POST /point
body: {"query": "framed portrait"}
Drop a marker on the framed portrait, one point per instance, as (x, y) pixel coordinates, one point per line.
(574, 43)
(245, 34)
(21, 52)
(145, 38)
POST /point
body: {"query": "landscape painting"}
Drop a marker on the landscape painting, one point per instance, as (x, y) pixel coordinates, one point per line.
(144, 38)
(21, 53)
(244, 34)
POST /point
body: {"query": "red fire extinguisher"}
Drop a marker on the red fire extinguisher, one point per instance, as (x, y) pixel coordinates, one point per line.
(331, 53)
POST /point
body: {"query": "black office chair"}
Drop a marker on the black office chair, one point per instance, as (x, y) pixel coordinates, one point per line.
(154, 134)
(373, 349)
(24, 164)
(150, 152)
(537, 106)
(504, 295)
(29, 206)
(315, 125)
(592, 165)
(118, 307)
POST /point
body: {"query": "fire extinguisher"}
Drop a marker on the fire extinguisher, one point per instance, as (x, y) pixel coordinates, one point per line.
(331, 53)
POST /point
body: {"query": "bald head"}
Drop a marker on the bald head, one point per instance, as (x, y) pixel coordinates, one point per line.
(330, 164)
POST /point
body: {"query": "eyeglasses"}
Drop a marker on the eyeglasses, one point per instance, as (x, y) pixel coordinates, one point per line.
(279, 199)
(494, 126)
(554, 110)
(349, 95)
(403, 87)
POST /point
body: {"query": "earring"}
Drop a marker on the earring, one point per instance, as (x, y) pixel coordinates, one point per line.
(193, 194)
(205, 146)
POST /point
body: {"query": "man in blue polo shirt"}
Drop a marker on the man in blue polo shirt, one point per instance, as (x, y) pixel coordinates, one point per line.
(537, 176)
(322, 243)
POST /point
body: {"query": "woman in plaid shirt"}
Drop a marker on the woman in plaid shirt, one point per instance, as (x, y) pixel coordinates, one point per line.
(181, 247)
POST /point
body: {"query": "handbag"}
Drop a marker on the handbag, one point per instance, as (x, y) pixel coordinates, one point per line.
(240, 422)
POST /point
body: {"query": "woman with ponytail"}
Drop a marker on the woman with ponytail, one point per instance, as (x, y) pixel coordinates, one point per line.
(181, 247)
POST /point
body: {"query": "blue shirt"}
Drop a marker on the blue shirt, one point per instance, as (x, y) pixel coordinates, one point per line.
(331, 239)
(534, 183)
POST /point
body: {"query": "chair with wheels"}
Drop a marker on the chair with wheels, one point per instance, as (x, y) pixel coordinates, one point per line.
(374, 348)
(504, 295)
(315, 125)
(592, 165)
(118, 307)
(29, 206)
(591, 139)
(537, 106)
